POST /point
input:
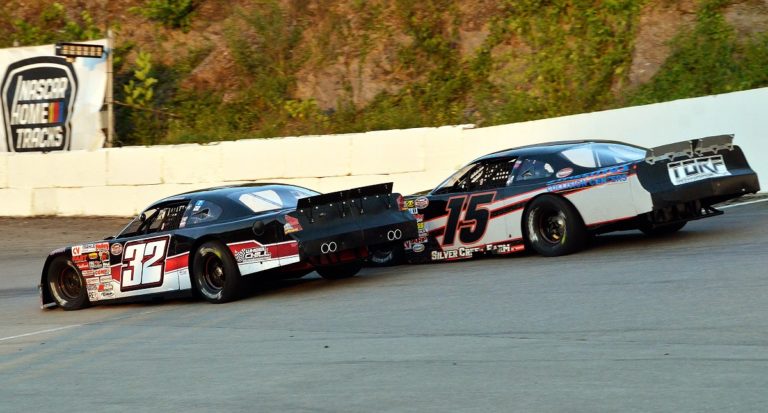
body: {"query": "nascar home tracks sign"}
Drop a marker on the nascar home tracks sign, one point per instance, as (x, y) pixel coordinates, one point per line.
(48, 103)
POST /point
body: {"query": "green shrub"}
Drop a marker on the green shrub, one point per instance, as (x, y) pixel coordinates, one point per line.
(146, 122)
(51, 26)
(174, 14)
(541, 58)
(708, 59)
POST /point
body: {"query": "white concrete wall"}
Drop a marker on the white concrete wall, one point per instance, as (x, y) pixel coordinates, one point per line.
(122, 181)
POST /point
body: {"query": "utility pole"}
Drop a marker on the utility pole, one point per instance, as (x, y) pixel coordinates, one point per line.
(110, 86)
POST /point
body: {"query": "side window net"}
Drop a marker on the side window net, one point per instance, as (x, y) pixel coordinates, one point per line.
(164, 218)
(490, 175)
(172, 217)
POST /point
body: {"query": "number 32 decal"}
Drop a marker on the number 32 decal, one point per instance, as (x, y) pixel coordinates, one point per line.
(471, 227)
(144, 263)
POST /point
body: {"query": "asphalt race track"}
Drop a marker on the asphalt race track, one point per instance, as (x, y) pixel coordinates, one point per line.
(677, 324)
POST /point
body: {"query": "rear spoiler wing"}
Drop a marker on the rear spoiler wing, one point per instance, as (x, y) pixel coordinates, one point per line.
(689, 149)
(348, 220)
(345, 196)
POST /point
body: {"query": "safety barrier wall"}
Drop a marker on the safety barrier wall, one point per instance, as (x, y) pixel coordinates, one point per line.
(122, 181)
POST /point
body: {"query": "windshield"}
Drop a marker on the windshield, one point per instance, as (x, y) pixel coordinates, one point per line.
(271, 198)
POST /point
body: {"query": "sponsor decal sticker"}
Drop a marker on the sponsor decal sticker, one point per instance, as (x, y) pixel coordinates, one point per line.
(418, 247)
(93, 256)
(421, 202)
(77, 250)
(454, 254)
(564, 172)
(603, 176)
(410, 203)
(692, 170)
(117, 248)
(411, 243)
(91, 281)
(87, 248)
(291, 225)
(250, 255)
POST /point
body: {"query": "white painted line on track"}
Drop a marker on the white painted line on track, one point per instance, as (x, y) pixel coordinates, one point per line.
(743, 203)
(50, 330)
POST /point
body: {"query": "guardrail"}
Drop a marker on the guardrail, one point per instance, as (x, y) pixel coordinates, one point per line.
(122, 181)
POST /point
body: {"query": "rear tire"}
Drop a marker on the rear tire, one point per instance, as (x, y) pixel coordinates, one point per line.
(215, 274)
(662, 230)
(340, 271)
(553, 227)
(66, 284)
(387, 256)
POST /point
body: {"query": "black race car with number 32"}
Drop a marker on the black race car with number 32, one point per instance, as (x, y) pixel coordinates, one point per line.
(204, 242)
(552, 197)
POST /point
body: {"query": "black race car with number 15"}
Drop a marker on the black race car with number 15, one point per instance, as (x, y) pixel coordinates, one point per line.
(205, 242)
(552, 197)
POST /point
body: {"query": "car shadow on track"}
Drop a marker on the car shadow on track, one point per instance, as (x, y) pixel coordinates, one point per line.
(638, 240)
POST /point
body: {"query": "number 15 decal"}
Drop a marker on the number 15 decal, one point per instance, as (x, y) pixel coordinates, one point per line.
(144, 263)
(475, 221)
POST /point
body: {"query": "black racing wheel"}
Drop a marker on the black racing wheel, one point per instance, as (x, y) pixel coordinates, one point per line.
(661, 230)
(215, 274)
(339, 271)
(553, 227)
(66, 284)
(387, 256)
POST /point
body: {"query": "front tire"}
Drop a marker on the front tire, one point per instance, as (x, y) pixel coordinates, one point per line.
(340, 271)
(66, 284)
(215, 274)
(553, 227)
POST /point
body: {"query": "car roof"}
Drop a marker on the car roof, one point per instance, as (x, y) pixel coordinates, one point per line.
(546, 148)
(222, 192)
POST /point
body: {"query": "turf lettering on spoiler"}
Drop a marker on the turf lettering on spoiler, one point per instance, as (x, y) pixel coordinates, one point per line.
(692, 170)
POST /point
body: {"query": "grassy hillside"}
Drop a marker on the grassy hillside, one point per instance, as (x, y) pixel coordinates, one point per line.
(200, 70)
